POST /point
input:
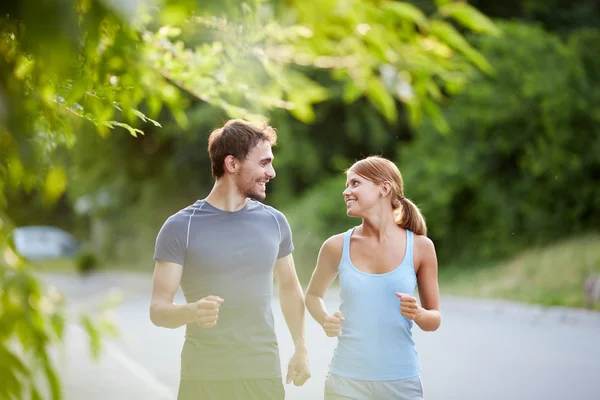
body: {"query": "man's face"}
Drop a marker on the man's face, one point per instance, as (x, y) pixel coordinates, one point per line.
(256, 170)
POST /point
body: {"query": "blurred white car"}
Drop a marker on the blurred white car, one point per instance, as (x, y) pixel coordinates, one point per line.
(44, 242)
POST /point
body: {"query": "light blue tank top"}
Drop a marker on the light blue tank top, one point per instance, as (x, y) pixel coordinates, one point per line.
(376, 341)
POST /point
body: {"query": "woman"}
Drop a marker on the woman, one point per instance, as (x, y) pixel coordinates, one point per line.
(379, 264)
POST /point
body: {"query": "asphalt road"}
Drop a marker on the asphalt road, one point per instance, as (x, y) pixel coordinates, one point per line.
(484, 350)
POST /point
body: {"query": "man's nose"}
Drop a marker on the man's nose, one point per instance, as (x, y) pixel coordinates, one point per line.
(271, 173)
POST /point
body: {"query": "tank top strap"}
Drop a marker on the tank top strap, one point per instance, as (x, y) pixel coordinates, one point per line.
(410, 241)
(346, 248)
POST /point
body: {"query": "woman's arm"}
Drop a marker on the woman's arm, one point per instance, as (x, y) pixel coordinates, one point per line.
(323, 276)
(428, 316)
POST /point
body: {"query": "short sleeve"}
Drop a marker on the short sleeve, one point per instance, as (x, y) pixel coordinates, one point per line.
(286, 245)
(171, 240)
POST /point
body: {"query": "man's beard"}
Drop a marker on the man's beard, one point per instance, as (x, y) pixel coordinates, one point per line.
(249, 189)
(256, 196)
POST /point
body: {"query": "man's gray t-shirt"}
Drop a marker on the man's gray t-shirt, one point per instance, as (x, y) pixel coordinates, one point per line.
(230, 255)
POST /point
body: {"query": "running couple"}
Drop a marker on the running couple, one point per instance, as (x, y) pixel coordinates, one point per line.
(225, 250)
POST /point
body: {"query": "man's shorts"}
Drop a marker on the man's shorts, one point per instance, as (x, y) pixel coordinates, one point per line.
(339, 388)
(243, 389)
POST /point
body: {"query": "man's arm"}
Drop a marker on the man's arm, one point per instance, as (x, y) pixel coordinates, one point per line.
(291, 299)
(165, 282)
(292, 306)
(163, 313)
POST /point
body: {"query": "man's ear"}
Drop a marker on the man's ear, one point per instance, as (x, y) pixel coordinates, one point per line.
(231, 164)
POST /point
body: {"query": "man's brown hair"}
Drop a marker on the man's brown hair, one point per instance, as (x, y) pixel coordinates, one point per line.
(236, 138)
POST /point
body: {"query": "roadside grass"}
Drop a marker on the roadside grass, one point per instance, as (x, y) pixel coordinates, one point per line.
(550, 276)
(62, 265)
(69, 266)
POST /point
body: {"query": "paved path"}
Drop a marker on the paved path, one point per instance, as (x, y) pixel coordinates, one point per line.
(484, 350)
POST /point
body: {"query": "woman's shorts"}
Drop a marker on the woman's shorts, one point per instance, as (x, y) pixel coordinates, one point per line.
(339, 388)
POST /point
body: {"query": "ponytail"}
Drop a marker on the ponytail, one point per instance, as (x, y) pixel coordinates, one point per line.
(409, 217)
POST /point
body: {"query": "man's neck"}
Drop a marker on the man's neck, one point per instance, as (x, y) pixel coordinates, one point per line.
(226, 196)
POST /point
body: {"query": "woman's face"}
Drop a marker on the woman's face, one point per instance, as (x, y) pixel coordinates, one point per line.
(360, 195)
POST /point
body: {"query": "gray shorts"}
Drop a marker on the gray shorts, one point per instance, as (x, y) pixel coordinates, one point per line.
(339, 388)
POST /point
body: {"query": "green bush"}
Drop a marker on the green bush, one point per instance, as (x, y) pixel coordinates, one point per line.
(86, 262)
(521, 166)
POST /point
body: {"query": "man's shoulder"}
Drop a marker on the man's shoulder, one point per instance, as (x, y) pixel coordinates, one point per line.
(255, 204)
(183, 215)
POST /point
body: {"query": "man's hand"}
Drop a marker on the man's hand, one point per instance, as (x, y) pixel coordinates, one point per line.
(333, 324)
(409, 307)
(298, 370)
(206, 311)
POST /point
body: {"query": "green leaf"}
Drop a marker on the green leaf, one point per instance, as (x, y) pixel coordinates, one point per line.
(58, 324)
(133, 131)
(470, 17)
(53, 380)
(382, 99)
(351, 92)
(446, 32)
(415, 111)
(436, 115)
(35, 394)
(93, 334)
(440, 3)
(23, 67)
(55, 184)
(302, 110)
(144, 118)
(406, 11)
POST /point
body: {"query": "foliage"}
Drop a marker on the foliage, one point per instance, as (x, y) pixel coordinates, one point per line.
(520, 167)
(561, 16)
(321, 83)
(86, 261)
(30, 323)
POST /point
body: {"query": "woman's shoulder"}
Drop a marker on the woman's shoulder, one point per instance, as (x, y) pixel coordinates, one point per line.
(333, 246)
(423, 245)
(335, 241)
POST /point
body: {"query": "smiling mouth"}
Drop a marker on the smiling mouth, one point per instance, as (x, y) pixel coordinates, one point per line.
(262, 184)
(348, 202)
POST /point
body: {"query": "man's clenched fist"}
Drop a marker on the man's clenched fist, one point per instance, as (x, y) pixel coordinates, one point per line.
(206, 311)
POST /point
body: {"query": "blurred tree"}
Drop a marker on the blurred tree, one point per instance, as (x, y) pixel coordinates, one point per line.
(332, 112)
(521, 166)
(561, 16)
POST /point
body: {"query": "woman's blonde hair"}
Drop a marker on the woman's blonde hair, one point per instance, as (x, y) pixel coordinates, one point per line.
(378, 170)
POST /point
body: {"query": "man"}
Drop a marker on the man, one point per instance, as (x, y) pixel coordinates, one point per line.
(224, 251)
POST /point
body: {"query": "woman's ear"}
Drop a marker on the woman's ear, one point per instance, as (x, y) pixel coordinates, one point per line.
(386, 188)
